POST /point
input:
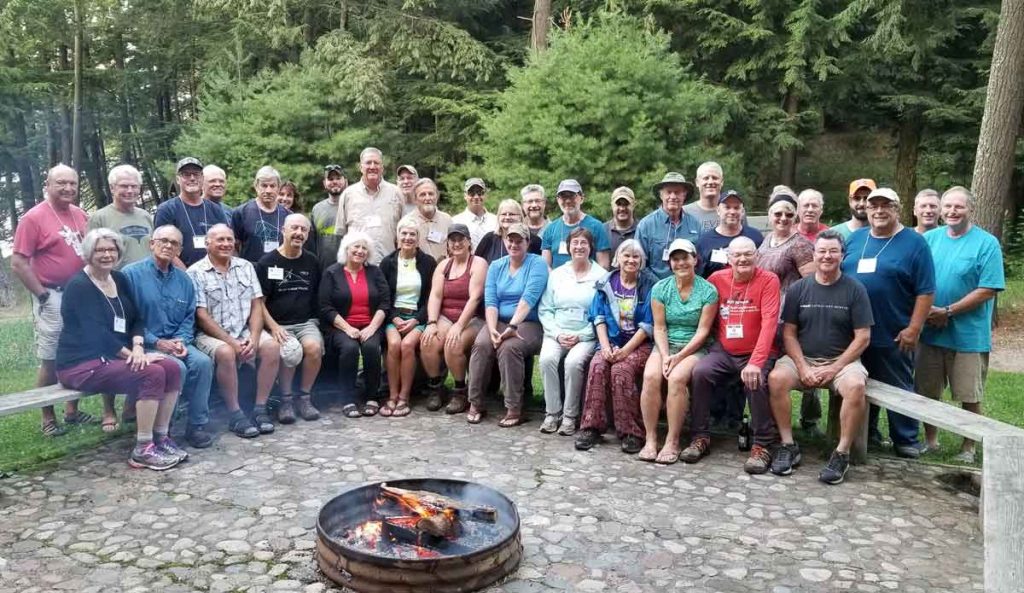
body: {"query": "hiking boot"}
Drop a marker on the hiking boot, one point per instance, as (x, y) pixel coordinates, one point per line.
(242, 426)
(786, 458)
(550, 424)
(262, 420)
(304, 408)
(759, 461)
(150, 456)
(459, 402)
(568, 427)
(835, 470)
(197, 437)
(168, 446)
(286, 411)
(698, 448)
(436, 398)
(632, 444)
(586, 439)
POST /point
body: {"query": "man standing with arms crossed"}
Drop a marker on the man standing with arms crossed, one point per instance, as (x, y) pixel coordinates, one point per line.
(371, 205)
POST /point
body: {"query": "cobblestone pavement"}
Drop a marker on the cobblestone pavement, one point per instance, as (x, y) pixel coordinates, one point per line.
(240, 516)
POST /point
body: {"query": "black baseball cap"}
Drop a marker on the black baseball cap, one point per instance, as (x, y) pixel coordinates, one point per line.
(334, 169)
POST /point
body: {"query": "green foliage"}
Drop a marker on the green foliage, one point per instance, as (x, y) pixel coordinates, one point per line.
(607, 104)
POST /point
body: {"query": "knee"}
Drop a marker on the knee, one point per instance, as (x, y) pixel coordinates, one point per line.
(311, 350)
(408, 347)
(269, 349)
(549, 359)
(224, 355)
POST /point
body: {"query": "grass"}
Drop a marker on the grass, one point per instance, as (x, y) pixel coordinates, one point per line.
(1011, 302)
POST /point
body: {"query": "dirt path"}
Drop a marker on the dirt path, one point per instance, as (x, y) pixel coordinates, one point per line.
(1008, 347)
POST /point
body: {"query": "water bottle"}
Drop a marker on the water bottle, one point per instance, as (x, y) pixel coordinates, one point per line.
(744, 438)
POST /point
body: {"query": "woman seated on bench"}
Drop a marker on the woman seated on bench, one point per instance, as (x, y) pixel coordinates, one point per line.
(100, 350)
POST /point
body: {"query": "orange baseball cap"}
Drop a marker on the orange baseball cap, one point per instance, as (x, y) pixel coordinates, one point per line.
(859, 183)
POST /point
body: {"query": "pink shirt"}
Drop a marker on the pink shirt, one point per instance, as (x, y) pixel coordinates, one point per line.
(51, 239)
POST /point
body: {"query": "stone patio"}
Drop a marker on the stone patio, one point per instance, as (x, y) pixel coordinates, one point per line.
(240, 516)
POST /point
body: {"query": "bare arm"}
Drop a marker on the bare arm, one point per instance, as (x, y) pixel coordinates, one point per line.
(660, 328)
(476, 291)
(603, 259)
(908, 336)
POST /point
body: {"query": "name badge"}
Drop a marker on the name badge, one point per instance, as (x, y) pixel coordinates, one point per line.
(119, 324)
(578, 314)
(434, 236)
(269, 246)
(275, 273)
(198, 241)
(664, 254)
(733, 332)
(867, 266)
(372, 222)
(719, 256)
(563, 249)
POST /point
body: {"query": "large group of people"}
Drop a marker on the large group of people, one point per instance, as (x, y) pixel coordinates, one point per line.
(687, 313)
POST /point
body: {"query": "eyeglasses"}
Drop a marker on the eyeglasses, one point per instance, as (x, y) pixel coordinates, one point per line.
(105, 250)
(171, 242)
(476, 193)
(784, 214)
(882, 206)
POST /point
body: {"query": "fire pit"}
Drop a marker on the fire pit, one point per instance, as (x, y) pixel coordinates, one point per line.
(429, 535)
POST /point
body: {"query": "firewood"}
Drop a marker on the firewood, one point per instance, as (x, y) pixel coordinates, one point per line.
(439, 525)
(439, 503)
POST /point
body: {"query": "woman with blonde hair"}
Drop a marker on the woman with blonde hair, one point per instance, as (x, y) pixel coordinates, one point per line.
(492, 245)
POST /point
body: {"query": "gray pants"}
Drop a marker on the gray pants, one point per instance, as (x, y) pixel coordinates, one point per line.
(511, 356)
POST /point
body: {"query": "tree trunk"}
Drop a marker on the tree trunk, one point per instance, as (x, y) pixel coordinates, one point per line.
(95, 164)
(908, 145)
(1000, 126)
(343, 23)
(787, 169)
(65, 111)
(76, 133)
(540, 25)
(22, 161)
(127, 148)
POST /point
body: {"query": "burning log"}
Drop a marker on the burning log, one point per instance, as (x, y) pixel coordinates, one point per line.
(437, 503)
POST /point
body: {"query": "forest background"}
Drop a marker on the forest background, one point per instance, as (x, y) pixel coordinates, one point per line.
(811, 93)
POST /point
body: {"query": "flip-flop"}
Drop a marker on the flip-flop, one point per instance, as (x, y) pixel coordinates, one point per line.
(668, 459)
(402, 409)
(351, 411)
(371, 408)
(110, 425)
(387, 409)
(511, 420)
(474, 416)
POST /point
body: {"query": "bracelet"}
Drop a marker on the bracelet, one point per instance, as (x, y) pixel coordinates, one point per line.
(432, 322)
(513, 326)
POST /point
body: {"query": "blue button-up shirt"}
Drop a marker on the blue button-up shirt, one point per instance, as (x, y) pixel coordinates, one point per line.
(655, 232)
(167, 301)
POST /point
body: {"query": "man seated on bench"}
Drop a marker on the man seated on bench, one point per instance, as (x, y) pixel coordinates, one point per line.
(167, 298)
(229, 314)
(828, 323)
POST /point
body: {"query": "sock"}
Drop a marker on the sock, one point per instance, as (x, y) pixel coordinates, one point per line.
(460, 384)
(434, 381)
(144, 439)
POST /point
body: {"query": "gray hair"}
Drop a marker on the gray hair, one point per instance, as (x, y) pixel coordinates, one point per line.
(370, 150)
(634, 246)
(351, 239)
(532, 188)
(296, 216)
(424, 181)
(95, 236)
(266, 172)
(168, 227)
(710, 165)
(208, 169)
(959, 189)
(408, 222)
(811, 193)
(742, 241)
(120, 170)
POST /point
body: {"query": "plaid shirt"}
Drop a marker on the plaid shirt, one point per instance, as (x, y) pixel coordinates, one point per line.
(227, 297)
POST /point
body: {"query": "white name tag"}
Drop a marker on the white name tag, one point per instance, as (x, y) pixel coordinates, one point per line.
(372, 222)
(563, 249)
(198, 241)
(664, 255)
(867, 266)
(434, 236)
(119, 324)
(719, 256)
(275, 273)
(734, 332)
(269, 246)
(578, 314)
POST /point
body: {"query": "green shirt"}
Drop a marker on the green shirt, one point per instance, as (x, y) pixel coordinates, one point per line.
(135, 229)
(683, 317)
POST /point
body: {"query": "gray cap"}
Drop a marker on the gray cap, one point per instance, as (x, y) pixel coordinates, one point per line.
(518, 228)
(569, 185)
(459, 229)
(474, 182)
(408, 168)
(189, 160)
(673, 178)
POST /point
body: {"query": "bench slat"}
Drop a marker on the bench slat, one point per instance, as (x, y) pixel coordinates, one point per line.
(37, 398)
(940, 414)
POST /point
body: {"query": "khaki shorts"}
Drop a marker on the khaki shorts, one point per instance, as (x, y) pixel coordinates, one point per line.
(854, 370)
(208, 345)
(475, 323)
(47, 324)
(964, 372)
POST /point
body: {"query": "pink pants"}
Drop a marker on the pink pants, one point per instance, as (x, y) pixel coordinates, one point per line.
(115, 376)
(619, 378)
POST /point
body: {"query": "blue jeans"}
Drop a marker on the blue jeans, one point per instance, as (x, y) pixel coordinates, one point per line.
(890, 365)
(197, 376)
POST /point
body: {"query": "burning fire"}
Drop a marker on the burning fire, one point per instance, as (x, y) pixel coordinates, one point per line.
(368, 533)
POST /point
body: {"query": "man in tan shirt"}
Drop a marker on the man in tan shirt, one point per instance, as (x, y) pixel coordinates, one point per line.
(371, 205)
(431, 223)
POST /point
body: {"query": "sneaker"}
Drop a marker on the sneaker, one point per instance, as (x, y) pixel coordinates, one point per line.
(568, 427)
(908, 451)
(550, 424)
(759, 461)
(150, 456)
(586, 439)
(286, 411)
(168, 446)
(262, 420)
(197, 437)
(242, 426)
(698, 448)
(786, 458)
(632, 444)
(304, 408)
(964, 457)
(835, 470)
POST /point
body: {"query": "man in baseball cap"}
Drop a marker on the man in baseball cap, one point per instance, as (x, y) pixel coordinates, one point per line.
(859, 190)
(407, 178)
(190, 212)
(476, 217)
(555, 240)
(622, 226)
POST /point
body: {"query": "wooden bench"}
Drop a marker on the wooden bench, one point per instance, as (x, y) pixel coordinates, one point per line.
(39, 397)
(1002, 494)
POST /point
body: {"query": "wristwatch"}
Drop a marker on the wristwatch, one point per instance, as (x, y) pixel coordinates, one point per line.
(513, 326)
(43, 297)
(949, 311)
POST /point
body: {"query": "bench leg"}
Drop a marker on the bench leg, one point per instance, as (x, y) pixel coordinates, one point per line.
(1003, 512)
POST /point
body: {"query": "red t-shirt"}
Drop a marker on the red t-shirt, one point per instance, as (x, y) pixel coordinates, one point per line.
(51, 239)
(359, 313)
(754, 306)
(812, 235)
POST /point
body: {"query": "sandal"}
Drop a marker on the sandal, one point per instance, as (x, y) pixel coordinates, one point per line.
(52, 429)
(667, 458)
(402, 409)
(110, 425)
(511, 419)
(80, 418)
(351, 411)
(474, 416)
(370, 408)
(388, 408)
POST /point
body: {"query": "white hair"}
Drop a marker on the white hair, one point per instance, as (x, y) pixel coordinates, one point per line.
(712, 165)
(370, 150)
(122, 170)
(532, 188)
(95, 236)
(350, 239)
(634, 246)
(209, 169)
(810, 193)
(740, 242)
(266, 172)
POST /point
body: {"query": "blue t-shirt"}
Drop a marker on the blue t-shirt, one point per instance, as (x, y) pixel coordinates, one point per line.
(971, 261)
(711, 247)
(256, 231)
(557, 232)
(192, 221)
(655, 233)
(503, 291)
(903, 271)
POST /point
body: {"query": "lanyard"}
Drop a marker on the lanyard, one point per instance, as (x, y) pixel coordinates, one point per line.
(188, 219)
(743, 299)
(865, 246)
(277, 231)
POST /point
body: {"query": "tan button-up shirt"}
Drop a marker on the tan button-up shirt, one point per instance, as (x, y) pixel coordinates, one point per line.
(433, 233)
(376, 214)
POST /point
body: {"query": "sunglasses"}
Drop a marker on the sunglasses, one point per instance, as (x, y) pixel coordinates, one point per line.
(784, 214)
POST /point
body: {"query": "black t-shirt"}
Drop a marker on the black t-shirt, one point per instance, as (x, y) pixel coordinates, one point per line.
(711, 246)
(290, 286)
(826, 316)
(256, 231)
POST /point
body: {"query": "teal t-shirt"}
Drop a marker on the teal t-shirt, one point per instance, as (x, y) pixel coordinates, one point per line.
(683, 317)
